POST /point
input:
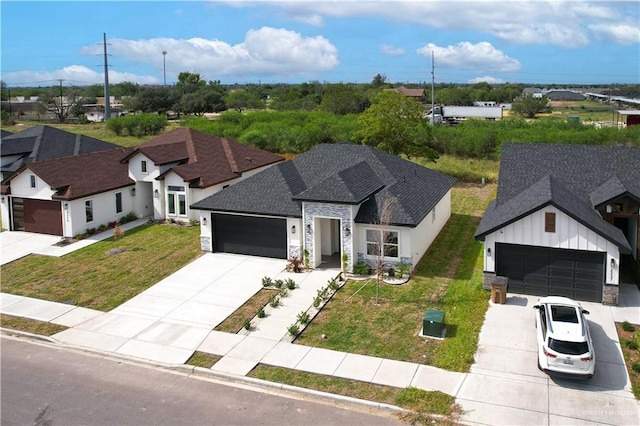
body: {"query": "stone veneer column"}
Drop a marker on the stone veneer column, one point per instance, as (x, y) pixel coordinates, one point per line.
(342, 212)
(610, 294)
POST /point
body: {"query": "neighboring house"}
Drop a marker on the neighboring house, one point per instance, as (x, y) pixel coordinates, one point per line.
(565, 221)
(417, 94)
(334, 200)
(181, 167)
(4, 133)
(44, 143)
(67, 196)
(627, 117)
(159, 178)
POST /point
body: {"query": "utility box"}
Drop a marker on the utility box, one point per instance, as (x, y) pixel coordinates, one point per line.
(499, 290)
(433, 323)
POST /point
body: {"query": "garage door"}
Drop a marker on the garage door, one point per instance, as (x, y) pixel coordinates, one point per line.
(542, 271)
(40, 216)
(257, 236)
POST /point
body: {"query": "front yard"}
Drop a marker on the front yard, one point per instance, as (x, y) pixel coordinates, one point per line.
(107, 273)
(449, 278)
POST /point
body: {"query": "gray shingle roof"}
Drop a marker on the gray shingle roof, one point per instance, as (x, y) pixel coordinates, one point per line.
(574, 178)
(40, 143)
(343, 173)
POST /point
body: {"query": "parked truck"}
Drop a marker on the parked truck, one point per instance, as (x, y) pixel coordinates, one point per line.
(455, 114)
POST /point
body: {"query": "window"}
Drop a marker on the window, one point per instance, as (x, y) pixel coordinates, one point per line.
(118, 202)
(549, 222)
(177, 201)
(382, 243)
(88, 210)
(32, 181)
(143, 166)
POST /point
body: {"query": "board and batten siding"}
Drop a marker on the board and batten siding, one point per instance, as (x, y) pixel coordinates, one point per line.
(570, 234)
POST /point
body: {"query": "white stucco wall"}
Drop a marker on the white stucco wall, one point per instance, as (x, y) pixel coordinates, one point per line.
(104, 211)
(570, 234)
(423, 235)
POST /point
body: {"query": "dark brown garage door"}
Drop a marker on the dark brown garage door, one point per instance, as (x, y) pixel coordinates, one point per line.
(543, 271)
(257, 236)
(41, 216)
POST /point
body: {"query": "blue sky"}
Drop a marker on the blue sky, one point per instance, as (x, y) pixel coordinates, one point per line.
(540, 41)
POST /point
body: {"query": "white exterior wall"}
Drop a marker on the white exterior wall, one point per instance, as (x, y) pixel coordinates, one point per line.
(21, 188)
(423, 235)
(104, 211)
(570, 234)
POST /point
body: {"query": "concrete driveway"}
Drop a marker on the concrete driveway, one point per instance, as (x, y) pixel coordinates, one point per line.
(19, 244)
(505, 386)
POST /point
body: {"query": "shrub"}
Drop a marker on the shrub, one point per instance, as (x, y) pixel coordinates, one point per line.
(345, 260)
(267, 281)
(283, 292)
(632, 344)
(274, 301)
(118, 232)
(112, 224)
(293, 329)
(291, 284)
(317, 301)
(323, 293)
(333, 284)
(295, 265)
(306, 258)
(635, 366)
(102, 228)
(627, 326)
(246, 324)
(91, 231)
(361, 268)
(261, 313)
(278, 283)
(303, 317)
(129, 217)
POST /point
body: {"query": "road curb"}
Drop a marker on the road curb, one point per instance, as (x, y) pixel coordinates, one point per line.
(205, 372)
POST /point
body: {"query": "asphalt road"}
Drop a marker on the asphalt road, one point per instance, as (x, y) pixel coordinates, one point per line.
(45, 385)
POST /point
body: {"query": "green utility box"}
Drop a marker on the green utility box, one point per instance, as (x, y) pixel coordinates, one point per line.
(433, 323)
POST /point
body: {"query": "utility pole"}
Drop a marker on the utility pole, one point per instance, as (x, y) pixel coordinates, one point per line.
(61, 80)
(433, 77)
(164, 67)
(107, 104)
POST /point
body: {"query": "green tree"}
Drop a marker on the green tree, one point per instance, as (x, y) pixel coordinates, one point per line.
(63, 102)
(207, 98)
(379, 80)
(240, 99)
(189, 82)
(394, 123)
(343, 99)
(152, 99)
(528, 106)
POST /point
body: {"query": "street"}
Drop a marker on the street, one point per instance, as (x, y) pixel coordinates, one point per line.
(42, 384)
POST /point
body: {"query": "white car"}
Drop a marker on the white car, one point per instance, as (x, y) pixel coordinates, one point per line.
(564, 342)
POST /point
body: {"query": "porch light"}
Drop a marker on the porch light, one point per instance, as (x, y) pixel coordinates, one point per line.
(613, 263)
(204, 221)
(133, 192)
(156, 193)
(489, 252)
(293, 229)
(347, 231)
(66, 206)
(308, 228)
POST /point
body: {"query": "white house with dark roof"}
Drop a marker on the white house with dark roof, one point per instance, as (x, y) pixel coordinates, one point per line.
(334, 200)
(565, 221)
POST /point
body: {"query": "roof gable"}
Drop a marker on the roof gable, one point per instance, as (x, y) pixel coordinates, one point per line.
(342, 173)
(574, 178)
(203, 159)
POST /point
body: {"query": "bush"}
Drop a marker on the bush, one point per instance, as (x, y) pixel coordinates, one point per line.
(278, 283)
(129, 217)
(635, 367)
(291, 284)
(246, 324)
(283, 292)
(627, 326)
(267, 282)
(361, 268)
(118, 232)
(274, 301)
(295, 265)
(138, 124)
(632, 344)
(261, 313)
(293, 329)
(303, 317)
(333, 284)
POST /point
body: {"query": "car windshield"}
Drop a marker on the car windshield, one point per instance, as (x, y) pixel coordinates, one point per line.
(564, 314)
(568, 348)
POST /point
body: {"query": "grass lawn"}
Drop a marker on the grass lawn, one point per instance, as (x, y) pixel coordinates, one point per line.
(421, 402)
(465, 169)
(94, 278)
(234, 322)
(629, 335)
(448, 278)
(32, 326)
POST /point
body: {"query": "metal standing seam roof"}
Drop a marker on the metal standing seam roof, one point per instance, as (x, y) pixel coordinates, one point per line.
(343, 173)
(574, 178)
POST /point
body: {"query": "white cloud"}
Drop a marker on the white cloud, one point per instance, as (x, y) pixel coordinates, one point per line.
(566, 23)
(76, 75)
(619, 34)
(387, 49)
(481, 56)
(265, 51)
(486, 79)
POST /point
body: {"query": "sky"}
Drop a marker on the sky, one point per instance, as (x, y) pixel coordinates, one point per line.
(536, 42)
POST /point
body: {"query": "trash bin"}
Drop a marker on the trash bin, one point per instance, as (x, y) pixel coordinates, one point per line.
(499, 290)
(433, 323)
